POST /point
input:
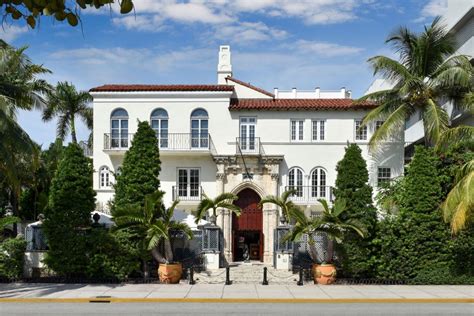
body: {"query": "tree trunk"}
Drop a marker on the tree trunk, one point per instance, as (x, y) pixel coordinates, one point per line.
(330, 250)
(168, 251)
(157, 255)
(73, 130)
(14, 197)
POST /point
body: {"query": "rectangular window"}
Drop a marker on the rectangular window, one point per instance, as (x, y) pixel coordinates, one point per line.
(378, 124)
(360, 132)
(383, 175)
(318, 130)
(297, 127)
(188, 183)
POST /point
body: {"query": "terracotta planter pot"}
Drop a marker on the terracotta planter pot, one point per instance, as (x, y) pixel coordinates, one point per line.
(324, 273)
(170, 273)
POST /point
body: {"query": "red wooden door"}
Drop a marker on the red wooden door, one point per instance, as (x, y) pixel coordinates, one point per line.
(251, 217)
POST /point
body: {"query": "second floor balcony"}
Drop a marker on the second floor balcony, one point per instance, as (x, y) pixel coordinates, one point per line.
(168, 143)
(310, 194)
(249, 146)
(187, 192)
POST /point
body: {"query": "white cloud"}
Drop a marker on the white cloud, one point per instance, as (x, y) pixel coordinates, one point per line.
(195, 12)
(432, 9)
(11, 32)
(326, 49)
(140, 22)
(248, 32)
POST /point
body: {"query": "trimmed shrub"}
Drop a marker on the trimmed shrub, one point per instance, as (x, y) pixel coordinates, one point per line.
(12, 257)
(352, 185)
(67, 221)
(140, 169)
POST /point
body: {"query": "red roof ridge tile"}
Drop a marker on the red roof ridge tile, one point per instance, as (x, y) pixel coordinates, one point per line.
(250, 86)
(158, 87)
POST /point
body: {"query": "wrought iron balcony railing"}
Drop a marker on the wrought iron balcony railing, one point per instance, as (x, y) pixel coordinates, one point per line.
(249, 146)
(166, 142)
(189, 192)
(311, 194)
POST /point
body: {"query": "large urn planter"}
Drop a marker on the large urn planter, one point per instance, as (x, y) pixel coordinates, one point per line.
(170, 273)
(324, 273)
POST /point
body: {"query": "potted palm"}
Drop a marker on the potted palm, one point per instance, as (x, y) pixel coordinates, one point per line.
(283, 202)
(330, 222)
(224, 200)
(155, 225)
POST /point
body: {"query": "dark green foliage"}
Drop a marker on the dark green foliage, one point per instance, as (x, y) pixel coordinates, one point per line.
(67, 222)
(416, 245)
(112, 255)
(140, 169)
(11, 257)
(352, 186)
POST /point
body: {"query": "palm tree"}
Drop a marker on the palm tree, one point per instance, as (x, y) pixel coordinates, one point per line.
(330, 222)
(425, 75)
(19, 89)
(283, 202)
(153, 225)
(66, 103)
(223, 200)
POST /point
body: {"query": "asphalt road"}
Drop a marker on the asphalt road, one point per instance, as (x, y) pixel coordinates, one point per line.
(89, 309)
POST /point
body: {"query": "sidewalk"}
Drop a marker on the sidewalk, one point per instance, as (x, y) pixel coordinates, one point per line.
(217, 292)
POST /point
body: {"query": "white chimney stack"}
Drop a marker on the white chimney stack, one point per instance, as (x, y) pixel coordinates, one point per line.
(224, 67)
(275, 92)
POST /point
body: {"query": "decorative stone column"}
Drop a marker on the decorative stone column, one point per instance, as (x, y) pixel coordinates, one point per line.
(270, 219)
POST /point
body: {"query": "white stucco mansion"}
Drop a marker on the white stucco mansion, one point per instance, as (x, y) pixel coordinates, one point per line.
(235, 137)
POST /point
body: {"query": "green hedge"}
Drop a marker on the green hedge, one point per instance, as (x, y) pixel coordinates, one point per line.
(12, 257)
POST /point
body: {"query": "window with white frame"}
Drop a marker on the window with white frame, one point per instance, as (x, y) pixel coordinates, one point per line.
(188, 183)
(104, 177)
(360, 131)
(199, 129)
(318, 129)
(384, 175)
(295, 181)
(318, 183)
(159, 123)
(378, 124)
(296, 130)
(119, 129)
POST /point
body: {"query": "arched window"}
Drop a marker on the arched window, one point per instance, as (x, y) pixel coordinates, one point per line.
(295, 181)
(104, 177)
(199, 129)
(119, 129)
(318, 183)
(159, 123)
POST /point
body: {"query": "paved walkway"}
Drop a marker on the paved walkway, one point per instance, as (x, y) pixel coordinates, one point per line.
(13, 291)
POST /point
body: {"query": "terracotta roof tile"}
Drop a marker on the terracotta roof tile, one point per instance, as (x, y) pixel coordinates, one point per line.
(298, 104)
(248, 85)
(150, 87)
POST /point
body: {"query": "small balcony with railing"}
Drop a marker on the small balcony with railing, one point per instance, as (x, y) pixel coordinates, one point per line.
(249, 146)
(309, 195)
(187, 193)
(170, 143)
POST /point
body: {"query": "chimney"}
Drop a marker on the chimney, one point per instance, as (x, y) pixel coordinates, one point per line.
(224, 67)
(343, 92)
(275, 92)
(317, 92)
(293, 92)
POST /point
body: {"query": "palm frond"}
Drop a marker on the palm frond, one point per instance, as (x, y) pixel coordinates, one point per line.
(435, 121)
(458, 134)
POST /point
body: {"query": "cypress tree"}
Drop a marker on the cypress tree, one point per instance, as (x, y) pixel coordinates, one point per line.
(415, 243)
(352, 185)
(140, 169)
(67, 217)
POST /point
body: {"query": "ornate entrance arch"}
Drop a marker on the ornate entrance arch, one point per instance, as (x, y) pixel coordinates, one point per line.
(247, 229)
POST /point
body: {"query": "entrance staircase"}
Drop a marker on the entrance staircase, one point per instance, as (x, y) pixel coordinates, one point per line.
(246, 273)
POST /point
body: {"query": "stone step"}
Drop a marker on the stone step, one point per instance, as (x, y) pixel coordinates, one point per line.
(246, 274)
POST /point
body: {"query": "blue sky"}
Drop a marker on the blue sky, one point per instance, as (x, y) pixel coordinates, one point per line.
(274, 43)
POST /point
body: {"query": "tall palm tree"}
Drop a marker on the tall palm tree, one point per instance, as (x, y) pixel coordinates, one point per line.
(224, 200)
(425, 75)
(283, 202)
(153, 225)
(20, 88)
(66, 103)
(330, 222)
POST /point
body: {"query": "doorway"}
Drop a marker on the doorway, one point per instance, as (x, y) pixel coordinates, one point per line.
(247, 229)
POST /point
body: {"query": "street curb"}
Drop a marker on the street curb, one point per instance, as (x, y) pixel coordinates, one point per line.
(235, 300)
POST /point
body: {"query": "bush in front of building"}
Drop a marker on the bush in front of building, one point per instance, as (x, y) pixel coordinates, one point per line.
(357, 255)
(67, 217)
(12, 257)
(416, 244)
(140, 169)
